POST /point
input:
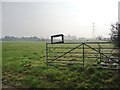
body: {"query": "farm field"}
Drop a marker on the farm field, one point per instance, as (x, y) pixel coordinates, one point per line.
(24, 66)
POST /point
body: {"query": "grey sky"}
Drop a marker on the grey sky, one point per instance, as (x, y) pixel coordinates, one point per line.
(49, 17)
(119, 12)
(0, 19)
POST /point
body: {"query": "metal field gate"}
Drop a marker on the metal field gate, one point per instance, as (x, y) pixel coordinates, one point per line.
(100, 54)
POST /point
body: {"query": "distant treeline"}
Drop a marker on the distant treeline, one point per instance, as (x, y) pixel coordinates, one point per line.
(12, 38)
(68, 37)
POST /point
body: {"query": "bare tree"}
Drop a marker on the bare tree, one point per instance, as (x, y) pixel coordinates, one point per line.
(115, 37)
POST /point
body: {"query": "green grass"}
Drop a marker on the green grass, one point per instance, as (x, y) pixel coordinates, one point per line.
(24, 66)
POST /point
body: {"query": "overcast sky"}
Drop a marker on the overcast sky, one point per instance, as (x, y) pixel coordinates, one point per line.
(43, 18)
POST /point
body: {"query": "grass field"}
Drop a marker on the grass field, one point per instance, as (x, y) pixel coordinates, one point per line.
(24, 66)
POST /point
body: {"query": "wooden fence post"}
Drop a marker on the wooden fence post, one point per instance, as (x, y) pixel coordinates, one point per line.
(83, 54)
(100, 52)
(46, 53)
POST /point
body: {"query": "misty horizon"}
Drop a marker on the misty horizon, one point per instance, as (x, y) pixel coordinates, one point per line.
(66, 37)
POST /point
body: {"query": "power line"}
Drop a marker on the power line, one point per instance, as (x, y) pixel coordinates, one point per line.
(93, 30)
